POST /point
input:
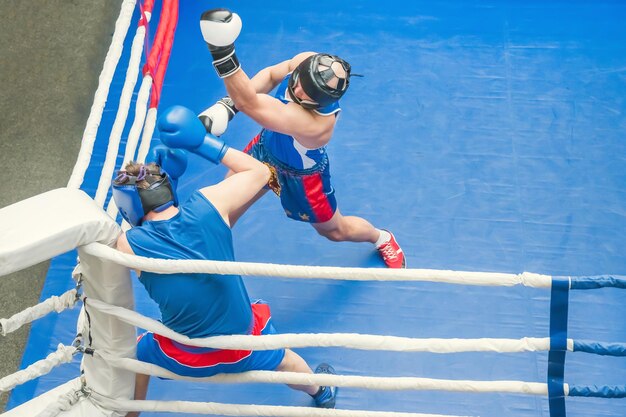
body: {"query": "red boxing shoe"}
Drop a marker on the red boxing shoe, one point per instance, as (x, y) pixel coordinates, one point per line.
(392, 253)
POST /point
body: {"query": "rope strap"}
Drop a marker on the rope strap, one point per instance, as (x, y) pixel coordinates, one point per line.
(558, 345)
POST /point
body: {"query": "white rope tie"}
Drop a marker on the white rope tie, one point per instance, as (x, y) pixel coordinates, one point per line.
(54, 303)
(167, 266)
(64, 402)
(63, 354)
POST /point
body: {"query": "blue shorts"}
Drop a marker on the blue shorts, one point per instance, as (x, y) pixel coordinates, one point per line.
(305, 194)
(199, 362)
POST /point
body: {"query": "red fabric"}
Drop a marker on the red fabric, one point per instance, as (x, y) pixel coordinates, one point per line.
(253, 142)
(159, 54)
(261, 314)
(168, 40)
(314, 192)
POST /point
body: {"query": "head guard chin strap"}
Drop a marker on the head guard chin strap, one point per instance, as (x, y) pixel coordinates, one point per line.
(319, 81)
(134, 202)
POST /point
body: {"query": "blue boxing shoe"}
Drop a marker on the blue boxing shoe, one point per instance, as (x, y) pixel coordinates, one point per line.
(326, 396)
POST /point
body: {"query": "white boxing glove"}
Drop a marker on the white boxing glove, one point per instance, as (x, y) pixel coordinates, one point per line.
(220, 28)
(215, 119)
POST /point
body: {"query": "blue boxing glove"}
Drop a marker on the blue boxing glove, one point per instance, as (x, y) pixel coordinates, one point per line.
(180, 128)
(219, 29)
(172, 161)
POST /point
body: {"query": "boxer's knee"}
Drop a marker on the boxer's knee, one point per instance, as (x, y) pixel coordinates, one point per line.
(334, 230)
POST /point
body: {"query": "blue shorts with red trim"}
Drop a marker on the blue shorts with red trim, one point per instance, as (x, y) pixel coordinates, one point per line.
(200, 362)
(305, 194)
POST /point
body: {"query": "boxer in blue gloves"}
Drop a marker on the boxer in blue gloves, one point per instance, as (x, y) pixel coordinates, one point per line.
(198, 305)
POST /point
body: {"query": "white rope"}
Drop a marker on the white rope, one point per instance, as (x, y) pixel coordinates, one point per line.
(141, 110)
(120, 118)
(104, 82)
(54, 303)
(346, 340)
(164, 266)
(148, 130)
(241, 409)
(367, 382)
(135, 131)
(63, 354)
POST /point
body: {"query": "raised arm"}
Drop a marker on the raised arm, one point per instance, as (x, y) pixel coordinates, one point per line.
(180, 128)
(220, 28)
(268, 78)
(310, 129)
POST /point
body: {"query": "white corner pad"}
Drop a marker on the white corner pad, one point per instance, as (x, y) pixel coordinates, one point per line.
(50, 224)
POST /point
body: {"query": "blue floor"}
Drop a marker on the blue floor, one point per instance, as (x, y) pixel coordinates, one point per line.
(488, 136)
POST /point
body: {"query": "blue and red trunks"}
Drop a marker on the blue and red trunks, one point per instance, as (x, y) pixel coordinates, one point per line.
(203, 362)
(305, 194)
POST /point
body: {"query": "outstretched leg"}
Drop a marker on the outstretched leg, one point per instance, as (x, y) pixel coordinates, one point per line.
(342, 228)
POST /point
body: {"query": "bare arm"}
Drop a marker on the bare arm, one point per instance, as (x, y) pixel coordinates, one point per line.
(123, 246)
(249, 95)
(268, 78)
(237, 190)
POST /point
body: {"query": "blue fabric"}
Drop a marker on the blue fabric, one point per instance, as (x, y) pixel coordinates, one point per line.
(487, 135)
(600, 281)
(306, 195)
(558, 345)
(196, 305)
(603, 391)
(261, 360)
(600, 348)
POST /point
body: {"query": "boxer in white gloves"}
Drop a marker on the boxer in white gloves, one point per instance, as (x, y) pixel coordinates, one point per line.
(298, 123)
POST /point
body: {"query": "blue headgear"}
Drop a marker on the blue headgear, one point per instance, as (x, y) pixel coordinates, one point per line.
(316, 76)
(134, 202)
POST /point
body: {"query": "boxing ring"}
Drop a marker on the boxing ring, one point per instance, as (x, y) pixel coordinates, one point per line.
(488, 148)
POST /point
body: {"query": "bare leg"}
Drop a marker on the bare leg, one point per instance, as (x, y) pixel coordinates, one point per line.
(292, 362)
(141, 390)
(236, 214)
(342, 228)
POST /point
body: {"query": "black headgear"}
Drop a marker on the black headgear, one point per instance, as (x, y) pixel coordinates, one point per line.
(134, 202)
(317, 79)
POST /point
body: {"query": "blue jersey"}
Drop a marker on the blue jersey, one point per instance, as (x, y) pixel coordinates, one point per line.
(196, 305)
(285, 148)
